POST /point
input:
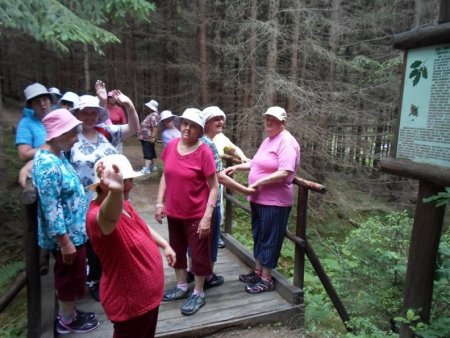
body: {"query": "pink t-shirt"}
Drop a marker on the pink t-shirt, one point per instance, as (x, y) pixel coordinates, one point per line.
(132, 280)
(117, 115)
(281, 152)
(187, 189)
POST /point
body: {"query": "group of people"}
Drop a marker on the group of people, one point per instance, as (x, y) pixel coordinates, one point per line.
(85, 213)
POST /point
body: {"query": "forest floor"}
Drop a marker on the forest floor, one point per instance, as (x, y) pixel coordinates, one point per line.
(143, 197)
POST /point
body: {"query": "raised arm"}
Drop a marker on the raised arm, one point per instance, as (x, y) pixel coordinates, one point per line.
(111, 207)
(132, 126)
(100, 90)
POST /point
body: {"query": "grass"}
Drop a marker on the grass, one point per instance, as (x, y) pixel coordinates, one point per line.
(13, 319)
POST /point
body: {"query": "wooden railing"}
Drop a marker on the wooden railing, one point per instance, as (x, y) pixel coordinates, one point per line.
(291, 292)
(41, 311)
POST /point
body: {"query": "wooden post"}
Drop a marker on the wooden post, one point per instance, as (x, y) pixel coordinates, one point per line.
(444, 11)
(228, 206)
(300, 231)
(32, 264)
(423, 251)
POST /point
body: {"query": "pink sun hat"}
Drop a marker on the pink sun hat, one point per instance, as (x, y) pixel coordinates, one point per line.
(58, 122)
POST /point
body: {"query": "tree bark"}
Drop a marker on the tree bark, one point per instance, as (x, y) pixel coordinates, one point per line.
(203, 96)
(272, 52)
(290, 106)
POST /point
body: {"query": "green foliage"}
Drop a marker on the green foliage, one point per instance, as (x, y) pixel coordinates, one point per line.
(418, 71)
(373, 261)
(13, 332)
(8, 272)
(438, 327)
(59, 23)
(441, 199)
(376, 71)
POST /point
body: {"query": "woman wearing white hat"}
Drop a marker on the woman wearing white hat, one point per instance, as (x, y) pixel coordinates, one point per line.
(148, 132)
(167, 119)
(31, 132)
(188, 163)
(96, 142)
(133, 277)
(272, 171)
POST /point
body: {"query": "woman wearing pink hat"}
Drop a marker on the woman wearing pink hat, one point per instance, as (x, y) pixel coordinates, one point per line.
(62, 218)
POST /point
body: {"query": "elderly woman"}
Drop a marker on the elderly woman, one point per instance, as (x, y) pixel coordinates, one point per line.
(272, 171)
(133, 277)
(169, 131)
(61, 219)
(188, 163)
(30, 133)
(96, 141)
(214, 119)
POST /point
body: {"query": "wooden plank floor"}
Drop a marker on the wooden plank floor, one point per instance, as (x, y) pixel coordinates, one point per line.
(226, 306)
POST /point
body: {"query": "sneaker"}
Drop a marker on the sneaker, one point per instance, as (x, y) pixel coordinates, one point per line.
(87, 315)
(260, 286)
(144, 171)
(174, 294)
(94, 291)
(78, 325)
(153, 169)
(61, 329)
(192, 304)
(213, 282)
(190, 277)
(221, 244)
(249, 278)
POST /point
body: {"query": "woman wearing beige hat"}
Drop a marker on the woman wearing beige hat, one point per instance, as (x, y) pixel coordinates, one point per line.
(61, 219)
(272, 171)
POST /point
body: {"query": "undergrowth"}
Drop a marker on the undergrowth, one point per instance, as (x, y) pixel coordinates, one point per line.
(362, 243)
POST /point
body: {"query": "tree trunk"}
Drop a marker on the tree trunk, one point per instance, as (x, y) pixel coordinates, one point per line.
(290, 106)
(86, 69)
(201, 12)
(250, 74)
(272, 52)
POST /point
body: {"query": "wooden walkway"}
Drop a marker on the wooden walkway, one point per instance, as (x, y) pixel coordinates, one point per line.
(226, 306)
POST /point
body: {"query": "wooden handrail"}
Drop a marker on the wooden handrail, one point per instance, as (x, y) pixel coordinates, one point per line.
(302, 247)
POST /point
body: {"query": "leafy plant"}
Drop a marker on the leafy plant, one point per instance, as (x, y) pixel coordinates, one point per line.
(419, 70)
(441, 199)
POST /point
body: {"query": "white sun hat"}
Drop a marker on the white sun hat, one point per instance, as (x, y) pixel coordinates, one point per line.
(277, 112)
(89, 101)
(211, 112)
(166, 114)
(70, 97)
(153, 105)
(124, 165)
(35, 90)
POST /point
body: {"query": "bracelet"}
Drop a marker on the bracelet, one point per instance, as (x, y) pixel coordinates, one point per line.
(159, 205)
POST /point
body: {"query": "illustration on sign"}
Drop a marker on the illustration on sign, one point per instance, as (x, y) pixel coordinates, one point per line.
(424, 128)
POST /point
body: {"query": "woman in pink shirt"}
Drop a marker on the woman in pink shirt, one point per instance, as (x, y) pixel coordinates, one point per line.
(272, 171)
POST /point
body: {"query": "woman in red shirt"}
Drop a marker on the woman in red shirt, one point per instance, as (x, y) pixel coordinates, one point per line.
(188, 164)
